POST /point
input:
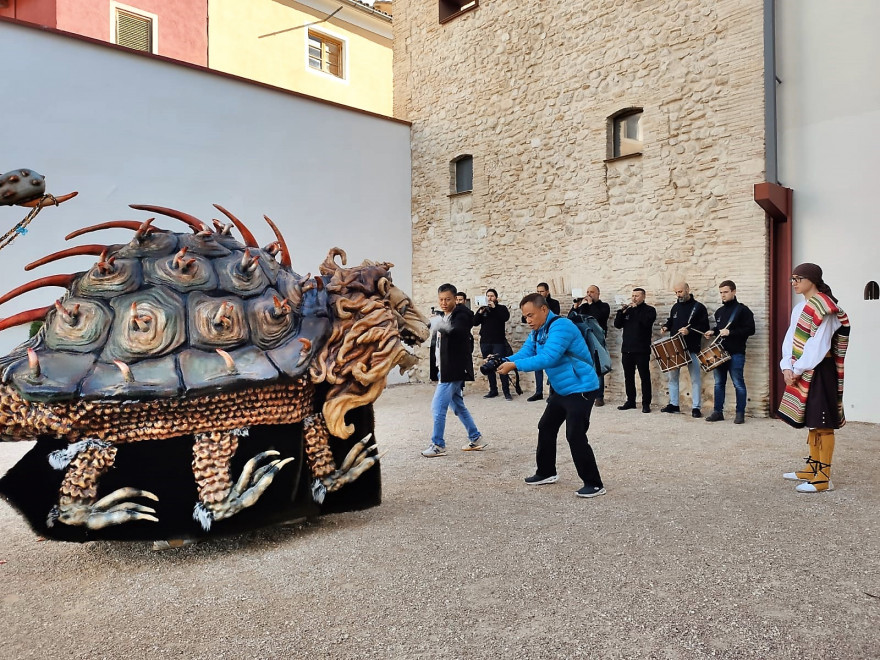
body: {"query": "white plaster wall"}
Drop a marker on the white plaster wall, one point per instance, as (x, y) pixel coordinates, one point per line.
(829, 153)
(122, 128)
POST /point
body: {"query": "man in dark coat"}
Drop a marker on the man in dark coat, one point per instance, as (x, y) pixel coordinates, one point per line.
(451, 364)
(687, 318)
(592, 305)
(553, 305)
(637, 321)
(492, 319)
(734, 324)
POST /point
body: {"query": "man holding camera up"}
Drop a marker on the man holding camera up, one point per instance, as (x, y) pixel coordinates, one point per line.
(557, 346)
(492, 318)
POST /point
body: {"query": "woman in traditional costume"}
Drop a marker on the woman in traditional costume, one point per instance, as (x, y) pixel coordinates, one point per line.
(812, 365)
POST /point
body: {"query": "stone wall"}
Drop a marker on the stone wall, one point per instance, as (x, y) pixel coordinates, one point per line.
(527, 88)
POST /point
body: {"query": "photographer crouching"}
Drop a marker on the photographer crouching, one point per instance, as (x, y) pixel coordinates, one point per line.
(557, 346)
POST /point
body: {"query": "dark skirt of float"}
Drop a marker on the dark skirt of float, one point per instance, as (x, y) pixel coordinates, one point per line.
(164, 467)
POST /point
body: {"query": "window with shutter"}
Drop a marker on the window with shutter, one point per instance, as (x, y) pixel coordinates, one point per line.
(325, 54)
(134, 31)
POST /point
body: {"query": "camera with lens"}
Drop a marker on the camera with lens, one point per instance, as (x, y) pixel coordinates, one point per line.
(491, 365)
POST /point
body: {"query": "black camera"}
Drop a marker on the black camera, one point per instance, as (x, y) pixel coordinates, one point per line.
(491, 365)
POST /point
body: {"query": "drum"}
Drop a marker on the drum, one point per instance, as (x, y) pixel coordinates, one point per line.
(671, 353)
(712, 356)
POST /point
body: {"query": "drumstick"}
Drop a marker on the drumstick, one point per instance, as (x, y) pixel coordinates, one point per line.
(683, 328)
(719, 337)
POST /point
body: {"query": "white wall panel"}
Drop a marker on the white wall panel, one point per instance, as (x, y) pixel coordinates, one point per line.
(122, 128)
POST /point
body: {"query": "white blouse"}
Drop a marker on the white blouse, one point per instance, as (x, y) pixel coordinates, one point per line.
(816, 347)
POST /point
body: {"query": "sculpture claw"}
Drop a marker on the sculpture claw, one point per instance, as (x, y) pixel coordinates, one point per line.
(355, 463)
(113, 509)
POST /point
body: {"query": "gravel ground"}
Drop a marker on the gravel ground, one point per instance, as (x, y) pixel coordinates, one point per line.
(699, 549)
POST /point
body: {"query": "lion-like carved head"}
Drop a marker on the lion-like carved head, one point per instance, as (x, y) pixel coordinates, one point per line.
(375, 326)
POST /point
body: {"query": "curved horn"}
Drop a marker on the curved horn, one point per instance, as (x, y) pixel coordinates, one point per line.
(49, 200)
(33, 363)
(319, 283)
(191, 220)
(382, 286)
(52, 280)
(285, 253)
(25, 317)
(92, 249)
(113, 224)
(330, 266)
(246, 234)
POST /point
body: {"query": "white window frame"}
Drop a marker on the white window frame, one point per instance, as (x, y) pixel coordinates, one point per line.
(154, 24)
(335, 37)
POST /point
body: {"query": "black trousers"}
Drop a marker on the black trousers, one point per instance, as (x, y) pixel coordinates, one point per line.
(496, 349)
(574, 410)
(642, 361)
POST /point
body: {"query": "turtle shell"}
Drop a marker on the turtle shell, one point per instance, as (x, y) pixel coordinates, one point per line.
(169, 315)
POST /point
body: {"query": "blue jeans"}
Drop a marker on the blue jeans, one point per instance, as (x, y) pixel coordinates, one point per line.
(696, 383)
(735, 365)
(448, 395)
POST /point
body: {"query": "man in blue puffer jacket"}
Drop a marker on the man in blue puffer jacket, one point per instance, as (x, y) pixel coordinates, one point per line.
(557, 346)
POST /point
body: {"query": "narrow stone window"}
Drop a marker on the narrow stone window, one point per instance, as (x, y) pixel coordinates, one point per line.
(872, 291)
(463, 174)
(450, 9)
(625, 128)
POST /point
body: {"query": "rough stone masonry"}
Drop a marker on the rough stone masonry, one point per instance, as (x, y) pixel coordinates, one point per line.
(528, 90)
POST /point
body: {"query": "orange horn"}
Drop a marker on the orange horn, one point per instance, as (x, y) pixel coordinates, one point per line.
(49, 200)
(52, 280)
(33, 363)
(91, 249)
(25, 317)
(246, 234)
(113, 224)
(285, 253)
(191, 220)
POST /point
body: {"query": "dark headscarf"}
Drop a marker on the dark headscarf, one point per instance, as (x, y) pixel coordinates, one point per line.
(813, 273)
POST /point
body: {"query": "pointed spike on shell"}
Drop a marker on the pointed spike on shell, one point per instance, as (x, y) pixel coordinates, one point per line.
(126, 371)
(228, 360)
(51, 280)
(33, 363)
(29, 316)
(306, 345)
(246, 234)
(92, 249)
(285, 253)
(177, 262)
(190, 220)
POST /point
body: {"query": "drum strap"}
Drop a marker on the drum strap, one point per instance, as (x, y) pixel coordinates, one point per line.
(729, 323)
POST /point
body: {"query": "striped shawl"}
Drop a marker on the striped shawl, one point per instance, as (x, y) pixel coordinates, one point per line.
(792, 408)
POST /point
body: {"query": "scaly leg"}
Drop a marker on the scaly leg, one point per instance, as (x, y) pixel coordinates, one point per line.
(85, 462)
(218, 497)
(320, 458)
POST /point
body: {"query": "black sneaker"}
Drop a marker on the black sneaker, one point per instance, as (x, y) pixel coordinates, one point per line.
(669, 408)
(538, 480)
(490, 395)
(629, 405)
(715, 417)
(507, 396)
(696, 413)
(740, 418)
(599, 402)
(590, 491)
(646, 409)
(535, 397)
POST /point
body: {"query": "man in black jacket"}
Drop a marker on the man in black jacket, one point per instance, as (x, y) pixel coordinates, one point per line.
(544, 289)
(492, 319)
(734, 323)
(689, 319)
(637, 321)
(451, 364)
(592, 305)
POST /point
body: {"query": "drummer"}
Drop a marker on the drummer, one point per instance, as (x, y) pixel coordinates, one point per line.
(687, 318)
(734, 324)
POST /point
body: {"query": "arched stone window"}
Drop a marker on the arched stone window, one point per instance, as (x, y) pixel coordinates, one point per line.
(872, 291)
(462, 173)
(625, 133)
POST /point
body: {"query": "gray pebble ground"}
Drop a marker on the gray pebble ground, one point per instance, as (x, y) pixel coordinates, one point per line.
(699, 549)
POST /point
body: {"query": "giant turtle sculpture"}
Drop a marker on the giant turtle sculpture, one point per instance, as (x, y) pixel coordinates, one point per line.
(175, 380)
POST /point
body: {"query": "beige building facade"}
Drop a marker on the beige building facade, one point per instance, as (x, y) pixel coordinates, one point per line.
(337, 50)
(612, 143)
